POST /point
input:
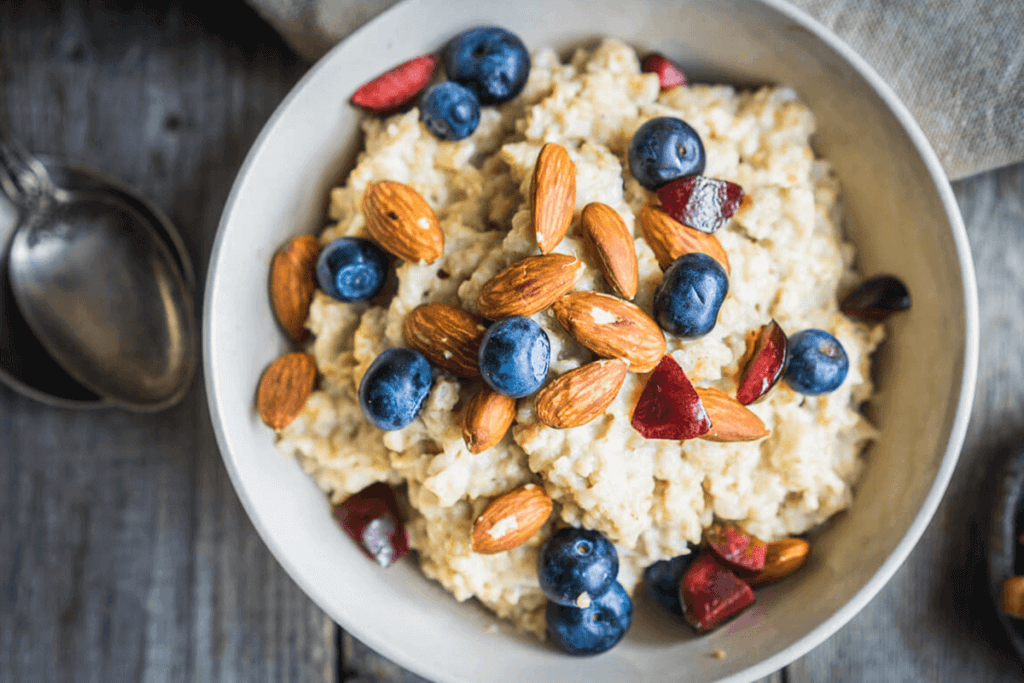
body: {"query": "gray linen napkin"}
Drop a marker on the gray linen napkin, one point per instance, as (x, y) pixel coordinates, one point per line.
(957, 64)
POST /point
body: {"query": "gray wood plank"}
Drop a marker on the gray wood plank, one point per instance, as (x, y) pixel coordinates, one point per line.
(935, 620)
(124, 552)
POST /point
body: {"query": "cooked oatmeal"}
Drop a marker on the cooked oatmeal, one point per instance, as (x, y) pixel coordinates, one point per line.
(650, 497)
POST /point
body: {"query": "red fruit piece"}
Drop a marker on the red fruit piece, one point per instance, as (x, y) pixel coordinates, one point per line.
(738, 549)
(711, 594)
(876, 298)
(701, 203)
(765, 365)
(669, 407)
(373, 520)
(396, 88)
(669, 75)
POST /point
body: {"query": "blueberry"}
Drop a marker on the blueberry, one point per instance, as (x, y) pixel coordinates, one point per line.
(664, 149)
(514, 356)
(593, 629)
(351, 269)
(450, 111)
(661, 580)
(575, 561)
(394, 388)
(686, 302)
(490, 61)
(817, 362)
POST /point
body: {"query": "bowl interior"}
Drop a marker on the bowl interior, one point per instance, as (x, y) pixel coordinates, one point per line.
(901, 215)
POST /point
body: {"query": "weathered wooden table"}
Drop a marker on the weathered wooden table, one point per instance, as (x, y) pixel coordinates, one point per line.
(124, 552)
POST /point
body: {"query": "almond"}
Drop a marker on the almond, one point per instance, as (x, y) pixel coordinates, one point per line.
(284, 388)
(511, 519)
(1011, 599)
(784, 557)
(670, 239)
(552, 195)
(488, 416)
(612, 328)
(401, 221)
(730, 419)
(529, 286)
(293, 283)
(612, 243)
(580, 395)
(448, 336)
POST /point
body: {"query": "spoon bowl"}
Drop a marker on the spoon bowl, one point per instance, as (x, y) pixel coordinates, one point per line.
(103, 295)
(154, 381)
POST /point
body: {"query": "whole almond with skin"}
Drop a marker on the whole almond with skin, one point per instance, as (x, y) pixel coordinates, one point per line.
(612, 328)
(669, 239)
(580, 395)
(284, 388)
(448, 336)
(293, 283)
(529, 285)
(784, 557)
(511, 519)
(401, 221)
(730, 419)
(488, 416)
(613, 245)
(552, 195)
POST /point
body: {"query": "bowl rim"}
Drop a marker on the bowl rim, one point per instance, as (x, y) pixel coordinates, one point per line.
(957, 432)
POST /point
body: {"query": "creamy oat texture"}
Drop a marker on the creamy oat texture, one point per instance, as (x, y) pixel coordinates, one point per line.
(650, 497)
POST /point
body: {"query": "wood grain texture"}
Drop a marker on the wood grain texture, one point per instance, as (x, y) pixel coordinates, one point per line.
(124, 552)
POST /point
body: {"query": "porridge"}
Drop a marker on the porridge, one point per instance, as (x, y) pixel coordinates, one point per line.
(652, 498)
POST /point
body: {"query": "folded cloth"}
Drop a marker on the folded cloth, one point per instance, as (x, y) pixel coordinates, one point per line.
(957, 65)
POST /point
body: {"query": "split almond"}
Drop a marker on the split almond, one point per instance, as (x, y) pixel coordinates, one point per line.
(783, 558)
(284, 388)
(613, 245)
(511, 519)
(529, 286)
(448, 336)
(401, 221)
(488, 416)
(293, 283)
(579, 396)
(670, 239)
(730, 419)
(552, 195)
(612, 328)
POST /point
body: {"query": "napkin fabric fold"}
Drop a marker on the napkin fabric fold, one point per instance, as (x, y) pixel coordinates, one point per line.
(957, 65)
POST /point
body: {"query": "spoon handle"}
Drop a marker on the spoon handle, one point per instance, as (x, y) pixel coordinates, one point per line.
(23, 178)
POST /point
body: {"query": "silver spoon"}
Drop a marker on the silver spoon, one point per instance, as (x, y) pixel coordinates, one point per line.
(95, 282)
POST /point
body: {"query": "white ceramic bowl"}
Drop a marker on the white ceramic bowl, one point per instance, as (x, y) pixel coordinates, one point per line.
(902, 216)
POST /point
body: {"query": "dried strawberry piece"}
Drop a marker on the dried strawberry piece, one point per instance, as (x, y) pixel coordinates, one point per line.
(669, 74)
(738, 549)
(701, 203)
(669, 407)
(396, 88)
(711, 594)
(877, 298)
(765, 365)
(373, 520)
